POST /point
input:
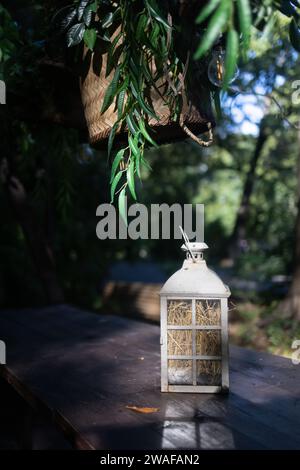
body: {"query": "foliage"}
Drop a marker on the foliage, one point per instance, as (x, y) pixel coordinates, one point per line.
(138, 34)
(141, 44)
(183, 172)
(235, 18)
(276, 337)
(8, 35)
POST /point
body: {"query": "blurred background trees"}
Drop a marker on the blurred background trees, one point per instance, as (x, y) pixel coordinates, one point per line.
(52, 183)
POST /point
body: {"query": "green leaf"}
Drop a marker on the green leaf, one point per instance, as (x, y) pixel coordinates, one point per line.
(232, 52)
(93, 6)
(145, 133)
(68, 18)
(111, 137)
(130, 179)
(114, 185)
(245, 21)
(145, 107)
(111, 91)
(135, 68)
(137, 155)
(214, 29)
(114, 43)
(133, 146)
(116, 163)
(90, 37)
(268, 29)
(120, 103)
(153, 8)
(294, 33)
(131, 124)
(87, 16)
(138, 167)
(141, 26)
(122, 205)
(81, 8)
(207, 10)
(136, 140)
(147, 73)
(107, 20)
(75, 34)
(124, 85)
(154, 35)
(112, 60)
(217, 103)
(259, 17)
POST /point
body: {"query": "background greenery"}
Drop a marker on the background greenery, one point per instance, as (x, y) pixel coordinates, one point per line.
(66, 180)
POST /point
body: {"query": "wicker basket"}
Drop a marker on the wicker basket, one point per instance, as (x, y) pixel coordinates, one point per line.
(195, 114)
(196, 111)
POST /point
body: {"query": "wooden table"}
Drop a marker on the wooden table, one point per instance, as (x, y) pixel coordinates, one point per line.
(82, 370)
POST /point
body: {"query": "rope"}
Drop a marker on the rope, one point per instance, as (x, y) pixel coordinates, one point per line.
(198, 140)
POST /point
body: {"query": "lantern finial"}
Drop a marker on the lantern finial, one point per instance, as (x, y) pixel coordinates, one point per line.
(193, 249)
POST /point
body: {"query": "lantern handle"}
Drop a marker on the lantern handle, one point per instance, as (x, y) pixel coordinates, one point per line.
(187, 244)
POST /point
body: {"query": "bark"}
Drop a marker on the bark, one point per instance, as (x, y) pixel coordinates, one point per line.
(38, 244)
(238, 240)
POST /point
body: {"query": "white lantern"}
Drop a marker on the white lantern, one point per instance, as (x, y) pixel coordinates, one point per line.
(194, 327)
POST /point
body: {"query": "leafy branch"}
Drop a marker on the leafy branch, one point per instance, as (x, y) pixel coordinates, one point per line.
(140, 51)
(234, 19)
(140, 38)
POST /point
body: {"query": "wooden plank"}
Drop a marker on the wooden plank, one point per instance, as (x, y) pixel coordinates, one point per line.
(273, 402)
(272, 369)
(87, 368)
(46, 379)
(42, 408)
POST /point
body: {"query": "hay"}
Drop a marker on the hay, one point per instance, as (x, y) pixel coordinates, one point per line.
(208, 372)
(208, 342)
(208, 312)
(180, 343)
(179, 312)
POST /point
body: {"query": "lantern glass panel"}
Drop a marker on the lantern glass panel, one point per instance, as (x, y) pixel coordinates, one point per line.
(180, 342)
(180, 372)
(208, 312)
(208, 372)
(208, 343)
(180, 312)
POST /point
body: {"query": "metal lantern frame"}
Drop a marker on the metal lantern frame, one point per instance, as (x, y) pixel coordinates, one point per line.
(191, 294)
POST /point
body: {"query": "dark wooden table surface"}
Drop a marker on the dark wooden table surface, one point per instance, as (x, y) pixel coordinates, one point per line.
(84, 370)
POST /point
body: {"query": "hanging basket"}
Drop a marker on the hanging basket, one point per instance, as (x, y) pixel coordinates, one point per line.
(196, 116)
(196, 112)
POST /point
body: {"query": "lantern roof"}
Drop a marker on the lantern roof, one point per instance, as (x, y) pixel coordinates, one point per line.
(195, 279)
(195, 247)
